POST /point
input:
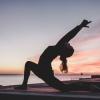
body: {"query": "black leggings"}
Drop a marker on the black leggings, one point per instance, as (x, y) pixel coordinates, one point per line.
(47, 77)
(50, 79)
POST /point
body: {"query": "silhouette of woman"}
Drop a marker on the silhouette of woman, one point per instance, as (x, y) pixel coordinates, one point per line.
(44, 70)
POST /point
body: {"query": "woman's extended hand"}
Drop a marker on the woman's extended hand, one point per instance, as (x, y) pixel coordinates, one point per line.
(85, 23)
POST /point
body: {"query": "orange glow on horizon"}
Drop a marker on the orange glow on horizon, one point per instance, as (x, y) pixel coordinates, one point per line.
(81, 62)
(11, 70)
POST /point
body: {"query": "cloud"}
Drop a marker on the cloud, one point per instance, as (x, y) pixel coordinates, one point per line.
(83, 61)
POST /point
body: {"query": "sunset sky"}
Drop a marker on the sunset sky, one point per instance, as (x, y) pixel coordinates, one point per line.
(27, 27)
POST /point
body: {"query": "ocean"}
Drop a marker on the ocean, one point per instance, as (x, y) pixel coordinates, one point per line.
(6, 80)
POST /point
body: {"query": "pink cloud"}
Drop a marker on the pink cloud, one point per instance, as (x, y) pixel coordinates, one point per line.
(85, 61)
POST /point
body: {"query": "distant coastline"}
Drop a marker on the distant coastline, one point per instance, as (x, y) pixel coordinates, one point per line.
(62, 74)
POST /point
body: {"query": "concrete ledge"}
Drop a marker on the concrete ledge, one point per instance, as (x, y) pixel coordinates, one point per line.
(43, 91)
(42, 96)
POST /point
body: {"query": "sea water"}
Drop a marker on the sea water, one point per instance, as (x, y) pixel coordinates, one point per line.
(17, 79)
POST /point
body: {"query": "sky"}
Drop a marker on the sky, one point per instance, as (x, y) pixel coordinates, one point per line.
(27, 27)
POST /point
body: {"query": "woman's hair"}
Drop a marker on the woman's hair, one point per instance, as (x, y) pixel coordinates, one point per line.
(66, 51)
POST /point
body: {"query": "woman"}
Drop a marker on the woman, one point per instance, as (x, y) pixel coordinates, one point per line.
(44, 70)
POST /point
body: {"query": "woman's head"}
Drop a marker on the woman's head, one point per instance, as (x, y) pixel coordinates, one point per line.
(66, 51)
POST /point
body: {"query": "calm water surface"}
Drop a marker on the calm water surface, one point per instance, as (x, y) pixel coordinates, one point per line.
(17, 79)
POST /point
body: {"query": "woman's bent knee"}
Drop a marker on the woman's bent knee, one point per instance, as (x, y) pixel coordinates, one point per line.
(29, 63)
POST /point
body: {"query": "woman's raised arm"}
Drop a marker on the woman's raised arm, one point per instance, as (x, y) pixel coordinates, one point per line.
(72, 33)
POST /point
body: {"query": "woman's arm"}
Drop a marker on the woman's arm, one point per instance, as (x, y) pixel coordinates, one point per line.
(72, 33)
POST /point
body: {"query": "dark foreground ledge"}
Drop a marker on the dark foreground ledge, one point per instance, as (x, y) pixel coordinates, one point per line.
(38, 96)
(44, 92)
